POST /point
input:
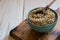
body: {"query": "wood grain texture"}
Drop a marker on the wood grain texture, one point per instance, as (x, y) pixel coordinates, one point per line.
(24, 32)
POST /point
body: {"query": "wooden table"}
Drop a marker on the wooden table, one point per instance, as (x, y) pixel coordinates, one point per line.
(24, 32)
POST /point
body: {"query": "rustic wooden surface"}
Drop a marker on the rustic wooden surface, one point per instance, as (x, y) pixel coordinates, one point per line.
(24, 32)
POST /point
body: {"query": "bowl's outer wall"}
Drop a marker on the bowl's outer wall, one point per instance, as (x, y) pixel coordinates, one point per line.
(43, 29)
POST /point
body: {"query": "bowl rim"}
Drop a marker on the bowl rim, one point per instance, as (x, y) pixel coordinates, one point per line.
(44, 25)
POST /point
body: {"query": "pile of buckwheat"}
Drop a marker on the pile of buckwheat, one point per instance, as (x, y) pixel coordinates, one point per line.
(40, 19)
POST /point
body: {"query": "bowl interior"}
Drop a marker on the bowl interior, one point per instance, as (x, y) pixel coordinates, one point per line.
(56, 16)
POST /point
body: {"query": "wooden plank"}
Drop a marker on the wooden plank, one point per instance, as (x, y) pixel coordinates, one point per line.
(4, 18)
(16, 10)
(10, 16)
